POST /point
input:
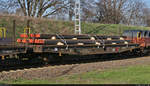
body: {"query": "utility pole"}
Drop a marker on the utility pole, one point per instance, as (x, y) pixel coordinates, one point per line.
(14, 32)
(77, 17)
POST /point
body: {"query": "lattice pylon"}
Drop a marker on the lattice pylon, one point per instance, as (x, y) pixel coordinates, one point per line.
(77, 17)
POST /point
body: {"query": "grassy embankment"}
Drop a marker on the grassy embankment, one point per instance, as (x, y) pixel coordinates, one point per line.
(53, 27)
(128, 75)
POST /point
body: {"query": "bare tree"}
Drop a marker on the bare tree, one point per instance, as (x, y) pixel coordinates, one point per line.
(146, 13)
(88, 10)
(110, 11)
(102, 11)
(8, 6)
(19, 12)
(133, 13)
(119, 11)
(34, 8)
(40, 8)
(71, 9)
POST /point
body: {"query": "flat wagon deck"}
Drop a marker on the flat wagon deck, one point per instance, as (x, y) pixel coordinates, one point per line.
(68, 44)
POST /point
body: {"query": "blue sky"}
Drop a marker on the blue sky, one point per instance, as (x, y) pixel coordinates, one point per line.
(148, 2)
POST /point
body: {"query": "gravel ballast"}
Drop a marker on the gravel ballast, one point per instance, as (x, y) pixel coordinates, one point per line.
(56, 71)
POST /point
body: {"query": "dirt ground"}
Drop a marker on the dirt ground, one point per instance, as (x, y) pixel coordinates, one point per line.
(56, 71)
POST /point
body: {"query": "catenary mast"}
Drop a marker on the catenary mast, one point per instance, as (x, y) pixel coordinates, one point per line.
(77, 17)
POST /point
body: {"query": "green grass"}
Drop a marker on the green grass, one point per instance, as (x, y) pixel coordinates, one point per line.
(53, 27)
(125, 75)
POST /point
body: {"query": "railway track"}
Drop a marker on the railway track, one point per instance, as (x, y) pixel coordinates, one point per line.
(51, 72)
(63, 62)
(25, 69)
